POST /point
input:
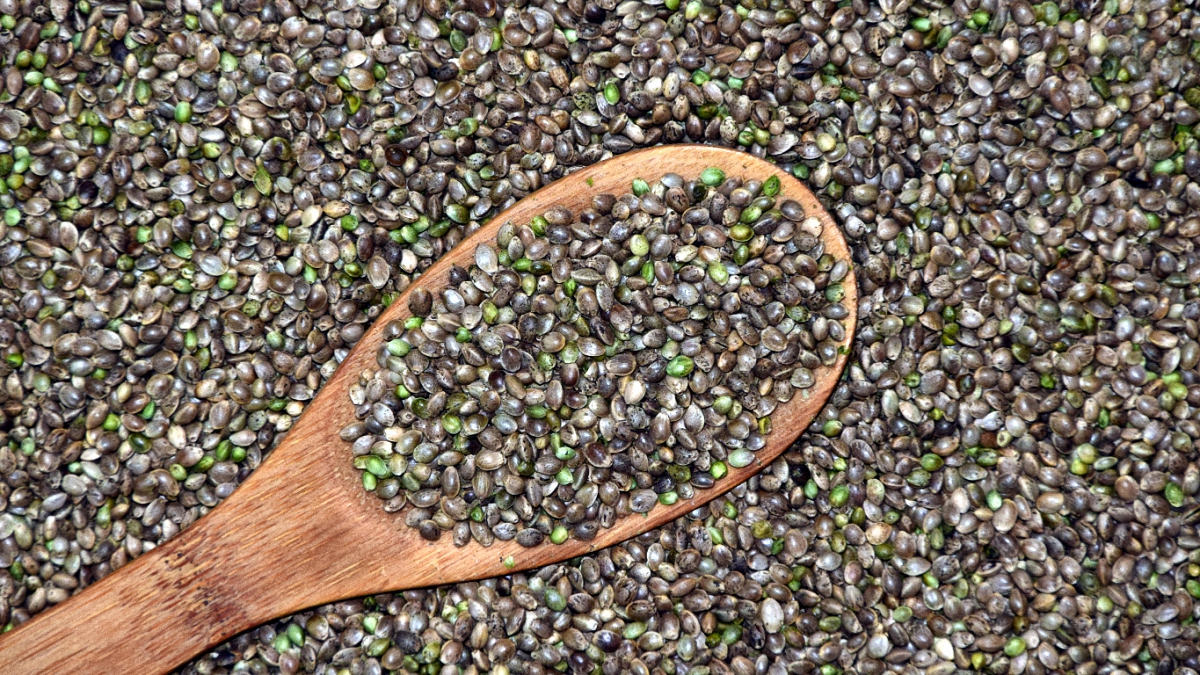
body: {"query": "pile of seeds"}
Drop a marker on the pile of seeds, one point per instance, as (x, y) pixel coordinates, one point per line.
(589, 366)
(205, 204)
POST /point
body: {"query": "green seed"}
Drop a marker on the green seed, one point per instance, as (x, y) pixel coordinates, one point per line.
(839, 495)
(1014, 647)
(229, 62)
(718, 470)
(282, 643)
(994, 500)
(918, 478)
(262, 179)
(740, 458)
(742, 254)
(761, 529)
(640, 187)
(457, 213)
(885, 551)
(679, 473)
(680, 366)
(1165, 167)
(183, 112)
(296, 634)
(712, 176)
(227, 281)
(1050, 12)
(633, 630)
(771, 186)
(612, 93)
(718, 272)
(723, 405)
(1173, 494)
(557, 536)
(539, 224)
(377, 467)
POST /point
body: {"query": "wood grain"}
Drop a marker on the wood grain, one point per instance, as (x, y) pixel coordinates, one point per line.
(301, 531)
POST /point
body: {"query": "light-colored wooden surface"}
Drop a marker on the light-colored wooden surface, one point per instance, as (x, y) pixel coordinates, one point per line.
(301, 531)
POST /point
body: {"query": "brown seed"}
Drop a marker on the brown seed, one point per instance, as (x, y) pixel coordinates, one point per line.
(1050, 502)
(1005, 517)
(1127, 488)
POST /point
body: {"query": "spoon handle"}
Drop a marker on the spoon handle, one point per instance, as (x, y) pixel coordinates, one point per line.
(243, 564)
(162, 607)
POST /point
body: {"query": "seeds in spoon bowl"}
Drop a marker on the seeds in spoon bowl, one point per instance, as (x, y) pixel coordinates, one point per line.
(589, 366)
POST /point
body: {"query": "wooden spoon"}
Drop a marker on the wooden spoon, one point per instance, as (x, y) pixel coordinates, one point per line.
(302, 531)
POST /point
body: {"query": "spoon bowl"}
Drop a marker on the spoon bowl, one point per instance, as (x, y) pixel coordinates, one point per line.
(301, 531)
